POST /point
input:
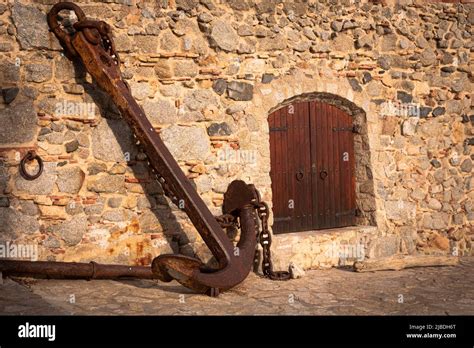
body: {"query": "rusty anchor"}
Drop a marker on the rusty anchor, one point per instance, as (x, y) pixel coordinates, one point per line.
(92, 44)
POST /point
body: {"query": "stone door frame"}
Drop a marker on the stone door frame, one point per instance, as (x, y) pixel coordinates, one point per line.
(334, 90)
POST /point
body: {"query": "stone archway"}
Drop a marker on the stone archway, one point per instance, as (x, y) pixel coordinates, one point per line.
(299, 86)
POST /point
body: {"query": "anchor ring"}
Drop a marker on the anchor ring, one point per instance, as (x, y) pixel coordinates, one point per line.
(63, 37)
(30, 156)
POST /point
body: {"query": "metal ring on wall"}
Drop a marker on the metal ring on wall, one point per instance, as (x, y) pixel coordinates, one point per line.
(30, 156)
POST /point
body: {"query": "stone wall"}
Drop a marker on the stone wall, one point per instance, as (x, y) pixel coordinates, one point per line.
(207, 74)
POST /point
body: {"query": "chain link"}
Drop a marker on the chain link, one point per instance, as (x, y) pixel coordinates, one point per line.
(265, 239)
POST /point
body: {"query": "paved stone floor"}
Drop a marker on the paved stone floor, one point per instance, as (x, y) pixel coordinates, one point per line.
(430, 290)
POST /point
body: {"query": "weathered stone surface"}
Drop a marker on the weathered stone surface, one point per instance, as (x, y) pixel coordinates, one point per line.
(224, 36)
(245, 30)
(400, 210)
(404, 97)
(355, 85)
(389, 42)
(14, 224)
(343, 42)
(70, 179)
(240, 91)
(9, 94)
(38, 72)
(365, 41)
(163, 69)
(118, 168)
(409, 237)
(146, 202)
(199, 99)
(118, 215)
(185, 68)
(106, 183)
(434, 204)
(72, 231)
(74, 208)
(466, 165)
(409, 126)
(53, 212)
(186, 5)
(4, 202)
(436, 220)
(18, 122)
(113, 141)
(267, 78)
(186, 143)
(160, 111)
(428, 57)
(374, 88)
(453, 107)
(203, 183)
(96, 168)
(149, 223)
(219, 86)
(31, 25)
(219, 129)
(140, 90)
(438, 111)
(114, 202)
(385, 246)
(278, 43)
(336, 25)
(72, 146)
(41, 186)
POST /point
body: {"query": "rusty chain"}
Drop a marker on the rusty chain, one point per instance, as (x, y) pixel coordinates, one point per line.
(265, 239)
(263, 235)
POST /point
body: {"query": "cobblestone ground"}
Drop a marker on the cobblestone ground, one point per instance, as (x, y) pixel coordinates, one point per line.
(439, 291)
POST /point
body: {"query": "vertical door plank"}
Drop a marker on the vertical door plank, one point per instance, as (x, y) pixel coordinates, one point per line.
(273, 174)
(284, 184)
(331, 166)
(337, 167)
(307, 174)
(314, 164)
(289, 183)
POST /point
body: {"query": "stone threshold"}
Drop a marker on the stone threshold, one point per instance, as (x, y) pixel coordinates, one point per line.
(321, 249)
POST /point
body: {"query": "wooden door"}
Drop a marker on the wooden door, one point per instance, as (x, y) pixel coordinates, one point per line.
(312, 167)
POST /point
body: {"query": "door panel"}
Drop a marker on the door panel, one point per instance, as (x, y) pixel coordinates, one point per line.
(312, 167)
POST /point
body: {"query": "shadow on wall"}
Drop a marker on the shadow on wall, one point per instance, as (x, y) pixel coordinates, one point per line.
(136, 160)
(18, 128)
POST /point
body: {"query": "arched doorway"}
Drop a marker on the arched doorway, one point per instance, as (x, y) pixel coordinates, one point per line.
(312, 167)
